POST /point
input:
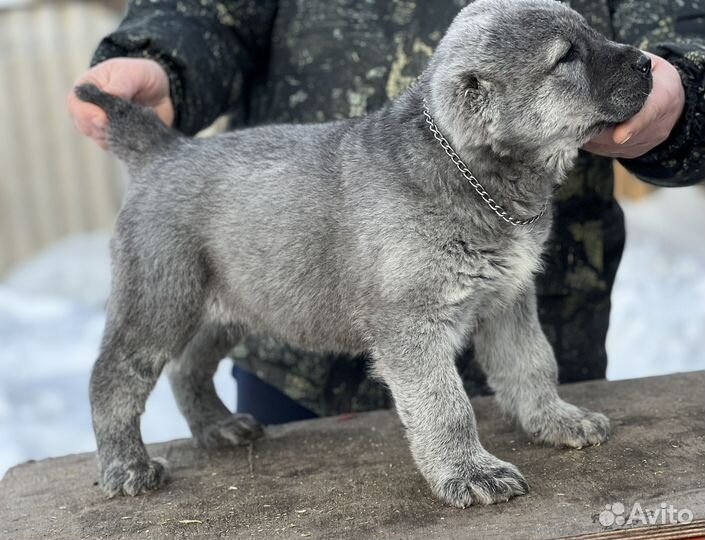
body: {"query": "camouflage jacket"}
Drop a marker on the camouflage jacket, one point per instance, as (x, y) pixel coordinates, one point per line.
(265, 61)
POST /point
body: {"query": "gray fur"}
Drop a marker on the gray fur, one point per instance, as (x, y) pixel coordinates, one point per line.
(362, 236)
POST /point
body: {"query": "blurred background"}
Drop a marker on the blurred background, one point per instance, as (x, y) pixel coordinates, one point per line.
(59, 195)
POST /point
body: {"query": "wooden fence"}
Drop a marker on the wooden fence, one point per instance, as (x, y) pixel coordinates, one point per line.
(53, 182)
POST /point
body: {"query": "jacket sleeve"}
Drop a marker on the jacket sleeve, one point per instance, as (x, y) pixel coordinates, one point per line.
(676, 32)
(211, 50)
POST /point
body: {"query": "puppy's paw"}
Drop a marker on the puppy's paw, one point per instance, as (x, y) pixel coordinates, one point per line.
(134, 478)
(567, 425)
(234, 430)
(487, 481)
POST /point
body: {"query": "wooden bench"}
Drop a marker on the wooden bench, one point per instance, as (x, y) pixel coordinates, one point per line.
(353, 477)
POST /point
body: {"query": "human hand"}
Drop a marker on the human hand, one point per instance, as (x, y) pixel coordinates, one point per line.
(137, 79)
(652, 124)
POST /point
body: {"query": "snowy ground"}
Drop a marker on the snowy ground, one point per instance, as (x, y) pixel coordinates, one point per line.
(51, 319)
(658, 313)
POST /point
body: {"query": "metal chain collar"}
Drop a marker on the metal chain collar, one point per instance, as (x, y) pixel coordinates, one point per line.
(474, 182)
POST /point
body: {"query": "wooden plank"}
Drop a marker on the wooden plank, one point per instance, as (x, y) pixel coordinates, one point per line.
(353, 477)
(694, 531)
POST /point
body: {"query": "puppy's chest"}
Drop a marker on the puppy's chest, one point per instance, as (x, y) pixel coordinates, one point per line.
(481, 271)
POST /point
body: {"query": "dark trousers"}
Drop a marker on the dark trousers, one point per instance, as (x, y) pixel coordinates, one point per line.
(265, 402)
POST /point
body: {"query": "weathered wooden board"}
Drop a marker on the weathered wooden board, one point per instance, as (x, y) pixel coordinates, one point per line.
(353, 477)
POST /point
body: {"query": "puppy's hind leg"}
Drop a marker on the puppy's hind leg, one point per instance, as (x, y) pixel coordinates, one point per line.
(191, 377)
(154, 306)
(521, 369)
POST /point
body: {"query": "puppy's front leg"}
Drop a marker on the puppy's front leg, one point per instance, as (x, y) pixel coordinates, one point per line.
(521, 369)
(418, 365)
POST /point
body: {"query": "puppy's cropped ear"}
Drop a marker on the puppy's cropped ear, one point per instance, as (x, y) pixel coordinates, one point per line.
(473, 91)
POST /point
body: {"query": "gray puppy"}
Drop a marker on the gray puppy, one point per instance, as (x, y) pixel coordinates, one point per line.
(364, 235)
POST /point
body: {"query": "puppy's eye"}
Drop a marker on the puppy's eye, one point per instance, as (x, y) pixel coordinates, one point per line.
(569, 56)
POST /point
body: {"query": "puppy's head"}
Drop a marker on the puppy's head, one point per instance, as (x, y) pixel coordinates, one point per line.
(531, 74)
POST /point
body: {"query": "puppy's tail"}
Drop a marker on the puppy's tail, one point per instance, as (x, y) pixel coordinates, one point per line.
(134, 132)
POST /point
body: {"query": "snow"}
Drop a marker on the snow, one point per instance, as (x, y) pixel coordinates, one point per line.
(657, 324)
(51, 320)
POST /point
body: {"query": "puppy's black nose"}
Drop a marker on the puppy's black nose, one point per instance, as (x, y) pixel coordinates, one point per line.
(643, 64)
